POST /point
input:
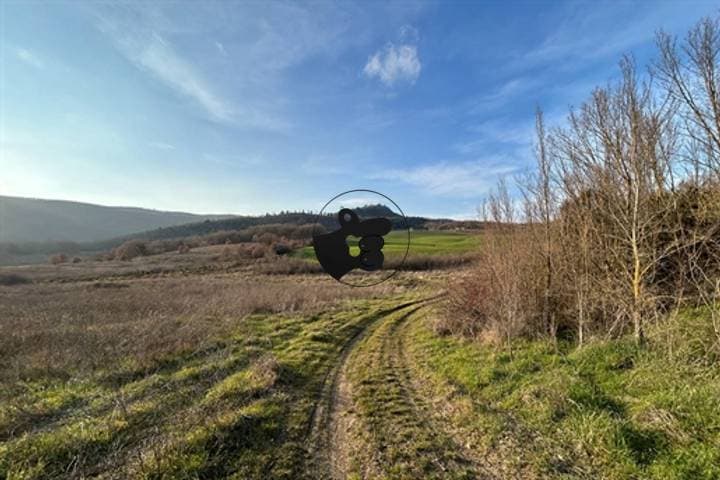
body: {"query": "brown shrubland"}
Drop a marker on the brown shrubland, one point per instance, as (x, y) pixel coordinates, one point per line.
(620, 220)
(50, 329)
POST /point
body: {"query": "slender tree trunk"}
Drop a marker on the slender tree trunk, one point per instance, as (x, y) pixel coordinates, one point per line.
(581, 320)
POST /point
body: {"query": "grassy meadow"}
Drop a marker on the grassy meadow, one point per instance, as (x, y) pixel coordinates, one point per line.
(422, 243)
(165, 377)
(199, 366)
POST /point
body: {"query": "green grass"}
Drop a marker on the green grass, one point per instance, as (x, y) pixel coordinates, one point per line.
(396, 418)
(421, 243)
(608, 410)
(238, 408)
(426, 406)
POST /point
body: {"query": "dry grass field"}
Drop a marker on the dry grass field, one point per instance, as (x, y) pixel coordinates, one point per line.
(203, 365)
(152, 368)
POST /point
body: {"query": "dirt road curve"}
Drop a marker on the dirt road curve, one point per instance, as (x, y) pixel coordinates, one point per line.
(416, 440)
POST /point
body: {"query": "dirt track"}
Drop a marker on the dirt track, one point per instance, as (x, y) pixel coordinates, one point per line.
(348, 437)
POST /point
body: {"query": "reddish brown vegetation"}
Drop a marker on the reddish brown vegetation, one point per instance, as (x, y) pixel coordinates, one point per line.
(621, 218)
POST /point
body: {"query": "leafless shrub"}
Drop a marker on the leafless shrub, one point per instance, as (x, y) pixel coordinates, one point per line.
(258, 251)
(294, 236)
(130, 249)
(494, 300)
(266, 237)
(58, 258)
(621, 218)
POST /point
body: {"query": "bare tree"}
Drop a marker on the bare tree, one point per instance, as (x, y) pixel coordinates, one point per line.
(689, 74)
(620, 150)
(622, 211)
(541, 207)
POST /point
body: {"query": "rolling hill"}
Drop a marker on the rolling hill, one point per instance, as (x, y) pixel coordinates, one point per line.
(293, 218)
(32, 229)
(36, 220)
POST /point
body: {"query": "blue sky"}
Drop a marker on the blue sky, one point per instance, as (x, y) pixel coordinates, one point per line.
(248, 107)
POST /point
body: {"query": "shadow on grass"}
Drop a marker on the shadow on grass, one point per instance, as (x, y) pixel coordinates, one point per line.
(644, 445)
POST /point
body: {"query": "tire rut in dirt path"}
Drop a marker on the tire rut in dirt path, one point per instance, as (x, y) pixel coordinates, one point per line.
(463, 460)
(449, 456)
(403, 436)
(331, 418)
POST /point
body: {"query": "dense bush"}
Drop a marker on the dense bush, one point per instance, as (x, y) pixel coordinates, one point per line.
(620, 222)
(130, 249)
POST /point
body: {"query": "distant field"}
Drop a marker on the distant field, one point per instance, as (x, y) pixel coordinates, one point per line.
(421, 243)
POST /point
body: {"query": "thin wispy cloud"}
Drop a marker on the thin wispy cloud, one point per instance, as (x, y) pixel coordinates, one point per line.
(162, 145)
(137, 36)
(159, 57)
(221, 49)
(453, 179)
(394, 64)
(503, 94)
(150, 52)
(29, 58)
(586, 35)
(490, 134)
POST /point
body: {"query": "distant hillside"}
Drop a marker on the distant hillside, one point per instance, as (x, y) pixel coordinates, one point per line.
(95, 220)
(294, 218)
(35, 220)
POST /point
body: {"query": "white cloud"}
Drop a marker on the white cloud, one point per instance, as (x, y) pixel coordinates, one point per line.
(453, 179)
(409, 33)
(29, 58)
(138, 36)
(357, 202)
(393, 64)
(159, 58)
(162, 146)
(488, 134)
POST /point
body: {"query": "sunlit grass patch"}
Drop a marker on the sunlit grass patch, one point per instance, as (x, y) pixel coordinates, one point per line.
(237, 405)
(609, 409)
(256, 379)
(422, 242)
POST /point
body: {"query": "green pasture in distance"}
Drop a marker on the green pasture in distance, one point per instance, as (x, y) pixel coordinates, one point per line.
(422, 242)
